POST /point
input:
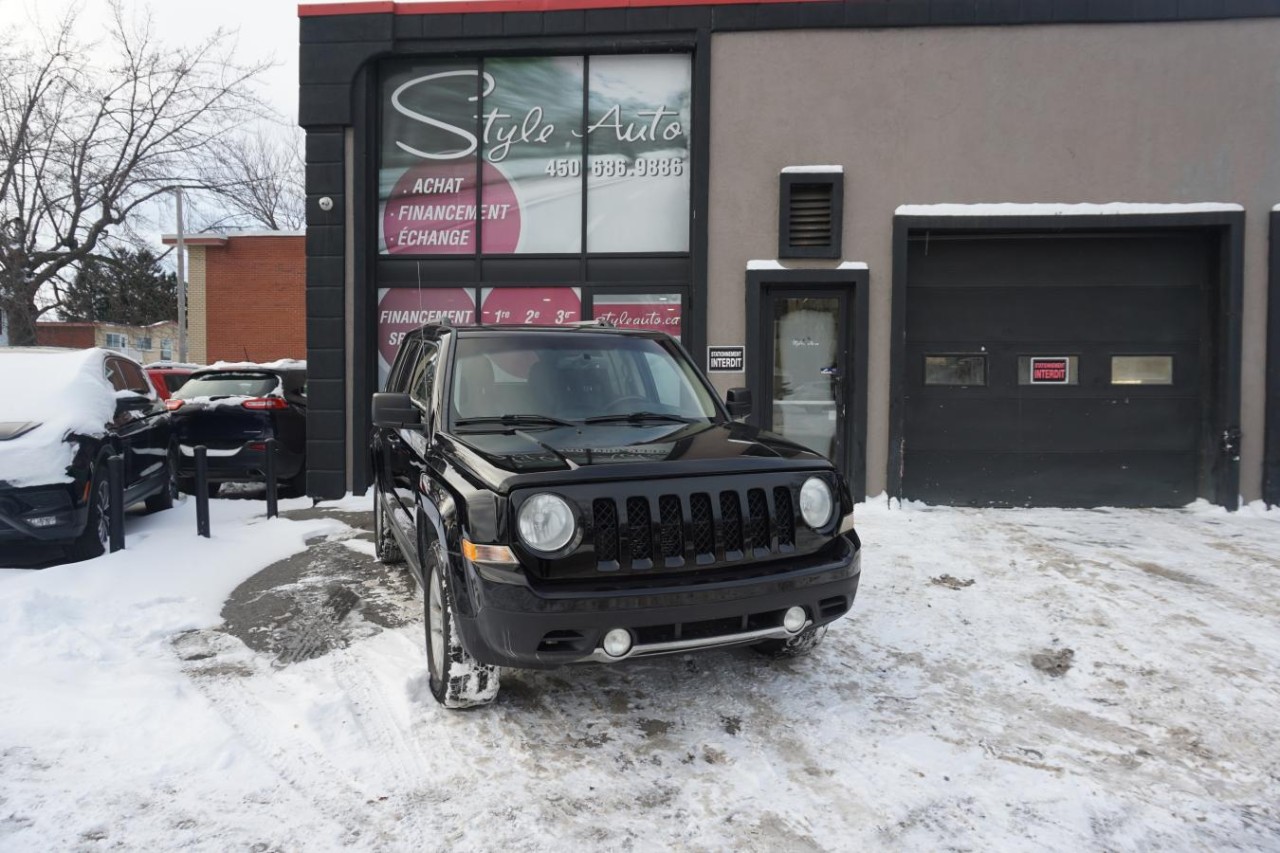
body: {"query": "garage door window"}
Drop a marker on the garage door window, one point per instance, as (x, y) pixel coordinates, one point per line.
(955, 370)
(1048, 370)
(1141, 370)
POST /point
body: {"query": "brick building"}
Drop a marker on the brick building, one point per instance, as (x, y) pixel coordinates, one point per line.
(246, 296)
(155, 342)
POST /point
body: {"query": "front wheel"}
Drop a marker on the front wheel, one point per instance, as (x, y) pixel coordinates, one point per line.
(93, 540)
(793, 647)
(385, 547)
(457, 680)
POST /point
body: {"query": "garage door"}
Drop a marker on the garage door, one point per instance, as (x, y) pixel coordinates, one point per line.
(1051, 370)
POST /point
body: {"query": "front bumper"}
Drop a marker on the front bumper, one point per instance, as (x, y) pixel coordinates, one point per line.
(239, 463)
(40, 514)
(515, 625)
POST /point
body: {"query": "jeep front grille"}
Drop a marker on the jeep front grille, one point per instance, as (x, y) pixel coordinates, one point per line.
(697, 528)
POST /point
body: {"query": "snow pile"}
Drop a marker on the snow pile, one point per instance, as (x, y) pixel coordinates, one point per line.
(65, 391)
(278, 364)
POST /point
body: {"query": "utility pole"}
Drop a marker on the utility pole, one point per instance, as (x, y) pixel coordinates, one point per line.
(182, 285)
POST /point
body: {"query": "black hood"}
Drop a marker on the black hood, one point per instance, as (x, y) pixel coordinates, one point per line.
(629, 450)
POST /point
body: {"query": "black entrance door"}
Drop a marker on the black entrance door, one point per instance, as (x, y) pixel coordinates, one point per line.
(806, 382)
(1058, 370)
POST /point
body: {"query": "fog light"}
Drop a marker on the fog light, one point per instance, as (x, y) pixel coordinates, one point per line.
(793, 620)
(617, 642)
(43, 521)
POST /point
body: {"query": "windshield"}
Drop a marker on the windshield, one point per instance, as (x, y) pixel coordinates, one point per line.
(544, 379)
(228, 385)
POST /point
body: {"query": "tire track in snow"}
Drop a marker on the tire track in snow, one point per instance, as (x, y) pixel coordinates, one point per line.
(298, 765)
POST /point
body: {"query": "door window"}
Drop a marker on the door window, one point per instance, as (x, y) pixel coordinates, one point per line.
(805, 370)
(1141, 370)
(962, 370)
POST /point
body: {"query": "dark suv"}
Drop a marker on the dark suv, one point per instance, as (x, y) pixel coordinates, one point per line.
(580, 494)
(234, 410)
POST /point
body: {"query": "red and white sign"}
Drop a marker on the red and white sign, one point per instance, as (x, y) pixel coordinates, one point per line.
(650, 312)
(403, 309)
(1054, 370)
(531, 306)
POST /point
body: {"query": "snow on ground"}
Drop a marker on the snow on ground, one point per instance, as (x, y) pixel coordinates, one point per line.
(1010, 680)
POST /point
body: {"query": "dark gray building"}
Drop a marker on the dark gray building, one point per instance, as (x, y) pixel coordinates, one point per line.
(986, 253)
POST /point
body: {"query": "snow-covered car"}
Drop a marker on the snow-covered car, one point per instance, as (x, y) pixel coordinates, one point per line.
(571, 495)
(233, 409)
(62, 414)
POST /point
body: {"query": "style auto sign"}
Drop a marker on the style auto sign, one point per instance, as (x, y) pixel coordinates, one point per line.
(495, 153)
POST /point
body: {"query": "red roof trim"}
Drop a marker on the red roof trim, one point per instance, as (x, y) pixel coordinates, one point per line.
(472, 7)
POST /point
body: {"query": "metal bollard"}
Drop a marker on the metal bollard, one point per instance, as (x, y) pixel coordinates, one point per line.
(115, 487)
(273, 497)
(202, 490)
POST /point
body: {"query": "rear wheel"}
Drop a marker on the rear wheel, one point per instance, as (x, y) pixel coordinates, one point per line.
(457, 680)
(793, 647)
(166, 499)
(296, 486)
(93, 540)
(385, 547)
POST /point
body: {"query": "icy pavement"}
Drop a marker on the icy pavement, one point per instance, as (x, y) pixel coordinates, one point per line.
(1008, 680)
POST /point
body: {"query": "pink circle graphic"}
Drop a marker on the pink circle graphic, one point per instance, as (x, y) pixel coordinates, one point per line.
(403, 309)
(432, 210)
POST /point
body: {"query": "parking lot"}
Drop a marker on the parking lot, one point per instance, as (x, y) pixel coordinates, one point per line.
(1048, 679)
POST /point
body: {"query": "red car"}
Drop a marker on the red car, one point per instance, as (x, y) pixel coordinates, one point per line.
(169, 376)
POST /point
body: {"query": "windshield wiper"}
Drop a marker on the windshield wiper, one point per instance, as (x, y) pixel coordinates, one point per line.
(638, 417)
(513, 420)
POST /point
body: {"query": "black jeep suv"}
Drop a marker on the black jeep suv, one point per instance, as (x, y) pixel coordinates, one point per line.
(580, 494)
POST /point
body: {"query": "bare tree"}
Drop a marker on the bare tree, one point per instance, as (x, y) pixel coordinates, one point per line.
(91, 131)
(258, 178)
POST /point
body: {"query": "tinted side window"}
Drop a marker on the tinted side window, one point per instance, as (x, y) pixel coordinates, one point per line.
(134, 379)
(398, 380)
(423, 378)
(115, 375)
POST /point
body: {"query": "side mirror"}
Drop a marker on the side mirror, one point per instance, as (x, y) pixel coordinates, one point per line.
(395, 411)
(738, 401)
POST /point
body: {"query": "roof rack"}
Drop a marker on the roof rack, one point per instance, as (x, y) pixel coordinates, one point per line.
(598, 323)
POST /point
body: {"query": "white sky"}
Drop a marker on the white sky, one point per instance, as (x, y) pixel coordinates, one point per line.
(265, 30)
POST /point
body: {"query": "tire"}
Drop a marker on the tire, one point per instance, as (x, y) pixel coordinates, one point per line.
(793, 647)
(169, 496)
(384, 541)
(96, 536)
(456, 679)
(295, 486)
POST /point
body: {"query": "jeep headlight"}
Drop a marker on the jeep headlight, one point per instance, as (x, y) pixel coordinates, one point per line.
(816, 502)
(546, 522)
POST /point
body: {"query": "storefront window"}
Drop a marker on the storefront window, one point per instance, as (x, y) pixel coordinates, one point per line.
(638, 154)
(517, 128)
(427, 180)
